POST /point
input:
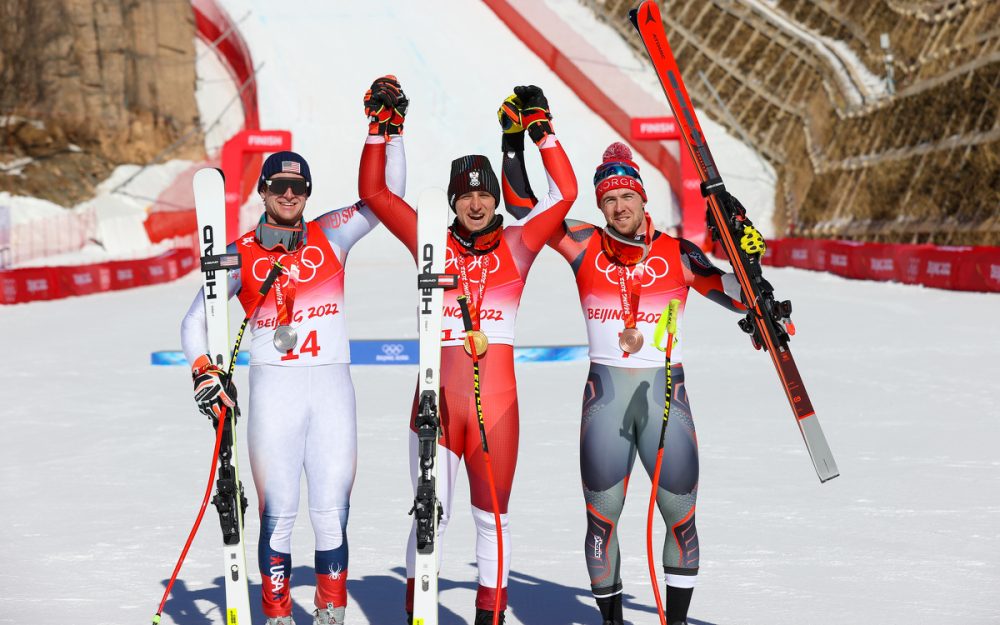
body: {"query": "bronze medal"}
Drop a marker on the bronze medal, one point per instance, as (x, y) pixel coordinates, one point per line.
(285, 338)
(630, 340)
(478, 339)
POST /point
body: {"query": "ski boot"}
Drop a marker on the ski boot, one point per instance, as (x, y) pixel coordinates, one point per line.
(485, 617)
(329, 615)
(611, 609)
(678, 601)
(280, 620)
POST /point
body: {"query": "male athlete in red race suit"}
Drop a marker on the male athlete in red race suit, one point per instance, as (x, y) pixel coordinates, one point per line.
(302, 408)
(492, 264)
(626, 273)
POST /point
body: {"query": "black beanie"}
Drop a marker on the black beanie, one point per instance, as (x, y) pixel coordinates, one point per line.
(472, 173)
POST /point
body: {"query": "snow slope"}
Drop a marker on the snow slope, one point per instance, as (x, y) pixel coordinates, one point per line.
(104, 459)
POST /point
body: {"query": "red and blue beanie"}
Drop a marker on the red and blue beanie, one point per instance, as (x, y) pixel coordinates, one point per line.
(285, 163)
(617, 171)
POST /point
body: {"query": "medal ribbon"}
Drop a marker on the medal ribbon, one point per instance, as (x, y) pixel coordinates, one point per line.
(284, 297)
(463, 273)
(630, 298)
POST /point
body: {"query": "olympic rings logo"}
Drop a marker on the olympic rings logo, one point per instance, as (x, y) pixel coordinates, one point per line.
(471, 262)
(311, 259)
(392, 349)
(653, 268)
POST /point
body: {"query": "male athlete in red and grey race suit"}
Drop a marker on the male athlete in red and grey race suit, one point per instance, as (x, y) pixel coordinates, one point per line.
(302, 405)
(492, 264)
(627, 272)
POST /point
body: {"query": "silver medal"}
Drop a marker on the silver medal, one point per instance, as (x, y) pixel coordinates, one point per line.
(285, 338)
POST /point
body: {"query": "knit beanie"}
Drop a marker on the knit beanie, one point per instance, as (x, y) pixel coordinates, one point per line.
(617, 171)
(472, 173)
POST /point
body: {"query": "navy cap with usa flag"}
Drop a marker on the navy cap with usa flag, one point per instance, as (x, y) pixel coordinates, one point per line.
(287, 163)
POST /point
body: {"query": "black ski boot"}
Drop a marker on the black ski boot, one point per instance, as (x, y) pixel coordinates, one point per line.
(485, 617)
(611, 609)
(678, 601)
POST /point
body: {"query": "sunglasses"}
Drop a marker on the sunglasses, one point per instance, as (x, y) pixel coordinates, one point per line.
(615, 169)
(278, 186)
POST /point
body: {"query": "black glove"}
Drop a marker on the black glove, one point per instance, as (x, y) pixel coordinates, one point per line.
(385, 106)
(509, 115)
(535, 115)
(214, 391)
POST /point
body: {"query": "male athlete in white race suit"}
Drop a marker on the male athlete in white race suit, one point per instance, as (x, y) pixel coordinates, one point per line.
(302, 407)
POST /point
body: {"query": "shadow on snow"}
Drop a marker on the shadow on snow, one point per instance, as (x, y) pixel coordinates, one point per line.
(533, 601)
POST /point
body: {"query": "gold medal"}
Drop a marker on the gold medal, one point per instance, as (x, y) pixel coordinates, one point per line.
(285, 338)
(630, 340)
(478, 339)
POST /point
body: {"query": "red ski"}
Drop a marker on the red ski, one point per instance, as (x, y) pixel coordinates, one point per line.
(768, 321)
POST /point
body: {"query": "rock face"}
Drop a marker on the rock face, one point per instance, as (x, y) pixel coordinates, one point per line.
(115, 78)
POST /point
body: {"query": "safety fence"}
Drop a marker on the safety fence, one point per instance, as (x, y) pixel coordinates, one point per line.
(48, 236)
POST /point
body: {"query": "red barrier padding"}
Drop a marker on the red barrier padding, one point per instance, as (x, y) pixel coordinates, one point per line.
(942, 267)
(46, 283)
(169, 224)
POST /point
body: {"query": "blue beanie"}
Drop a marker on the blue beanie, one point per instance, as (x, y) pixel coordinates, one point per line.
(287, 163)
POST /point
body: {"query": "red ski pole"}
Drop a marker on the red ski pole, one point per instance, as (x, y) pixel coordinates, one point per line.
(668, 324)
(222, 421)
(463, 303)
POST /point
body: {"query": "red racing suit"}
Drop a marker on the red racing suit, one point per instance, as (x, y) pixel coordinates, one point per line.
(494, 281)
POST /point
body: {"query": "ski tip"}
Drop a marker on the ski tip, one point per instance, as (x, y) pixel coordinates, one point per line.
(433, 195)
(208, 176)
(633, 16)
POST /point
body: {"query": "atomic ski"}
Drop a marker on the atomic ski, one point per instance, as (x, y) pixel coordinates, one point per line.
(768, 320)
(229, 500)
(432, 230)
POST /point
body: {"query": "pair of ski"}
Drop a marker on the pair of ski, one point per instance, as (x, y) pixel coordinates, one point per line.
(229, 500)
(432, 232)
(767, 320)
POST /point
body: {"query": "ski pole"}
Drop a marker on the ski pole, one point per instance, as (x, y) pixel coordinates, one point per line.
(220, 428)
(463, 303)
(668, 324)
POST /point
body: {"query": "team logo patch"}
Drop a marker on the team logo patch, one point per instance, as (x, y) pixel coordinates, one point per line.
(474, 179)
(291, 167)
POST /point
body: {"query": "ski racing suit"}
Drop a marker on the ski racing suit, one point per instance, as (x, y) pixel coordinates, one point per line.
(624, 394)
(496, 293)
(302, 404)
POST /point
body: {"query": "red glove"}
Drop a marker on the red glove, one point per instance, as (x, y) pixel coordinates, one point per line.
(214, 391)
(385, 106)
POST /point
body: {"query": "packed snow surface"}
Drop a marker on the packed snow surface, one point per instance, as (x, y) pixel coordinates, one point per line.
(104, 458)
